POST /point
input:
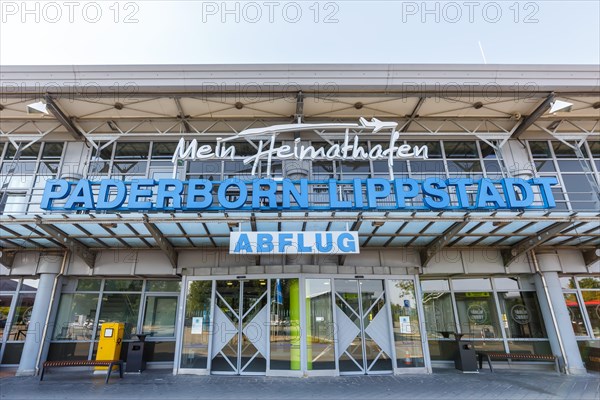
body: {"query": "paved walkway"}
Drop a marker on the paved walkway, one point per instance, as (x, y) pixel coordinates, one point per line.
(442, 385)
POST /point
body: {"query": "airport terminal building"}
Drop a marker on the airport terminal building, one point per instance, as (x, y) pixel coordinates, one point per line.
(300, 220)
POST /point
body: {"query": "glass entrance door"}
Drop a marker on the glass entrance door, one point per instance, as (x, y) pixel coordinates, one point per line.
(363, 330)
(240, 332)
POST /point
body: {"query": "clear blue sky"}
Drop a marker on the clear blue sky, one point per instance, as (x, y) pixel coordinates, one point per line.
(195, 32)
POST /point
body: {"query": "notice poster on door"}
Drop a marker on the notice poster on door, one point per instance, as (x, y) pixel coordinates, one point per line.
(405, 324)
(197, 325)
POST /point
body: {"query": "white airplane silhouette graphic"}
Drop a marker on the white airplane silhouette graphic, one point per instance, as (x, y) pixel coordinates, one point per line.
(377, 125)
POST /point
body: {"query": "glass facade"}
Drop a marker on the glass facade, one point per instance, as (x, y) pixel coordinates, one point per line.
(85, 304)
(496, 314)
(17, 297)
(582, 298)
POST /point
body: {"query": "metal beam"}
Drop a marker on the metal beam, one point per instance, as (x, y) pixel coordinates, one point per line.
(76, 247)
(299, 116)
(413, 114)
(442, 241)
(7, 258)
(531, 118)
(591, 256)
(63, 118)
(162, 242)
(182, 116)
(526, 245)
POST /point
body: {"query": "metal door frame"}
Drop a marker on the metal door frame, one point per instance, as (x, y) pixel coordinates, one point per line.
(240, 314)
(365, 370)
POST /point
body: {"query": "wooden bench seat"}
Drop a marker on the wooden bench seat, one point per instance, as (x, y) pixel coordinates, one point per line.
(490, 355)
(85, 363)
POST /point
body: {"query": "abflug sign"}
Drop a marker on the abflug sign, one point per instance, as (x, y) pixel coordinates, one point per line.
(269, 194)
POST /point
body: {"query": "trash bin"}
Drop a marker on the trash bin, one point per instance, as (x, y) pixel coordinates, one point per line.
(465, 358)
(136, 359)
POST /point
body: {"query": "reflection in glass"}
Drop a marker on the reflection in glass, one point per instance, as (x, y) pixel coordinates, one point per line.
(76, 314)
(575, 314)
(477, 315)
(163, 286)
(591, 300)
(196, 325)
(21, 317)
(123, 285)
(160, 315)
(120, 308)
(285, 324)
(319, 325)
(532, 347)
(405, 322)
(5, 301)
(521, 315)
(439, 314)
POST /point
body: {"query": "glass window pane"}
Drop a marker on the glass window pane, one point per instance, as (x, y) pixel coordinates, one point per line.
(61, 351)
(589, 282)
(52, 150)
(5, 301)
(129, 167)
(405, 322)
(160, 315)
(8, 285)
(30, 153)
(12, 353)
(434, 285)
(319, 325)
(465, 168)
(434, 150)
(210, 170)
(428, 169)
(120, 308)
(533, 347)
(285, 324)
(123, 285)
(21, 317)
(561, 150)
(594, 148)
(567, 282)
(545, 166)
(477, 315)
(575, 314)
(194, 353)
(439, 314)
(472, 284)
(521, 315)
(540, 149)
(88, 285)
(163, 286)
(487, 151)
(163, 149)
(76, 315)
(132, 150)
(462, 149)
(591, 300)
(29, 285)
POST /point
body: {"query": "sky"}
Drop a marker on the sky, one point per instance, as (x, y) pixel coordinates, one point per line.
(239, 32)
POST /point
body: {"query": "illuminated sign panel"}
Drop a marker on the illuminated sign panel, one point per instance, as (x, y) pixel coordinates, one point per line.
(268, 194)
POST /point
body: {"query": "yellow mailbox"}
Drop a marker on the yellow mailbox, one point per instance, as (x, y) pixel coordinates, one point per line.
(109, 345)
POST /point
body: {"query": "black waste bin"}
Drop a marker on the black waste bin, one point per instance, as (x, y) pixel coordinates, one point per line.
(465, 358)
(136, 355)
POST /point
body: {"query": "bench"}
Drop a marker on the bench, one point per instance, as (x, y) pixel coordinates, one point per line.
(489, 356)
(85, 363)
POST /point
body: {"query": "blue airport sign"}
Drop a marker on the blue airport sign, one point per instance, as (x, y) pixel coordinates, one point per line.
(268, 194)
